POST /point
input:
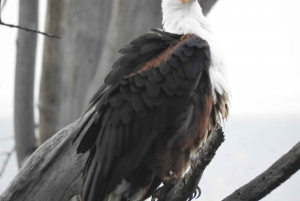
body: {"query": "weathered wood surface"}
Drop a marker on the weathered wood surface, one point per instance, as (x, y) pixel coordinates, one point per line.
(53, 172)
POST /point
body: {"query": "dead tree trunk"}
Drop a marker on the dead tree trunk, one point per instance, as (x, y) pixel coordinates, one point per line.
(24, 81)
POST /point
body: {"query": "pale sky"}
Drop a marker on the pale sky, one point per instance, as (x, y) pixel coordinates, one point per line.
(261, 46)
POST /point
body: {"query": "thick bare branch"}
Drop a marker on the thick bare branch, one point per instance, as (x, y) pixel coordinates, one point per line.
(53, 172)
(273, 177)
(186, 186)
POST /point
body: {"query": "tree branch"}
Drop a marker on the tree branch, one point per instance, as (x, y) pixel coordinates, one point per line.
(186, 186)
(8, 156)
(53, 172)
(273, 177)
(24, 28)
(30, 30)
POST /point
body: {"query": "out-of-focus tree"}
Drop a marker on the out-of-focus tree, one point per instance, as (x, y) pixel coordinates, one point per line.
(24, 81)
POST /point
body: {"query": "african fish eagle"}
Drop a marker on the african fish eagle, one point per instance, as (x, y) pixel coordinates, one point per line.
(157, 106)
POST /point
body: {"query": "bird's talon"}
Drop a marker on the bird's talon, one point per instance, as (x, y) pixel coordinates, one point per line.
(198, 190)
(196, 194)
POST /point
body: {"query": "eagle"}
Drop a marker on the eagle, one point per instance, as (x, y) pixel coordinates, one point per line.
(157, 106)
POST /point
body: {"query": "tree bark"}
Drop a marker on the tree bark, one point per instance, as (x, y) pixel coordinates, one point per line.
(24, 81)
(53, 172)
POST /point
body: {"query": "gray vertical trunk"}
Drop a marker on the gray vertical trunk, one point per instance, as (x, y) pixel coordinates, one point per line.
(70, 63)
(24, 81)
(130, 19)
(85, 24)
(51, 72)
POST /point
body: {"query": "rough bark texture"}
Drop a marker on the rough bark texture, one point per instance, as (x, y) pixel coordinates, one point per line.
(24, 81)
(273, 177)
(53, 172)
(51, 72)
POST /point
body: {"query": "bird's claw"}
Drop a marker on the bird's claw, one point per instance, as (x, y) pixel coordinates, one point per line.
(196, 194)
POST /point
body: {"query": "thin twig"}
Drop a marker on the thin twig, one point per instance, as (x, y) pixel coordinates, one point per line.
(185, 187)
(273, 177)
(30, 30)
(8, 155)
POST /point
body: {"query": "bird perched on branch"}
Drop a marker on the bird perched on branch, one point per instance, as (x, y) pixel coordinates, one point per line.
(158, 105)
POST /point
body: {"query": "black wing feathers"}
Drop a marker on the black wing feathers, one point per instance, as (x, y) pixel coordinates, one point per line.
(136, 106)
(140, 51)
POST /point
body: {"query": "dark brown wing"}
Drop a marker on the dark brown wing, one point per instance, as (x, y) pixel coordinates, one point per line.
(148, 88)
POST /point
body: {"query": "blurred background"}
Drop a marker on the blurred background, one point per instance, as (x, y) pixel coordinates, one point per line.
(45, 83)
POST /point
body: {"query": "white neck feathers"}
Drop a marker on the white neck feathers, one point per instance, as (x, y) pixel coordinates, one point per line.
(187, 18)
